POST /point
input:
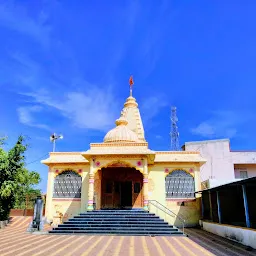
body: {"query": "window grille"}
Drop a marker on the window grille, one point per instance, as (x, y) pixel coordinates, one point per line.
(68, 185)
(179, 184)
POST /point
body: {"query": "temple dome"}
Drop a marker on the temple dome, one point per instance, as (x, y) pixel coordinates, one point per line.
(121, 133)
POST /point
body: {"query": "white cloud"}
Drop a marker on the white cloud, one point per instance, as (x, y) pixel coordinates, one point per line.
(221, 124)
(26, 116)
(96, 109)
(204, 129)
(15, 17)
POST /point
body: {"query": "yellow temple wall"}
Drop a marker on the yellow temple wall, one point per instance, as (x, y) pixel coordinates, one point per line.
(60, 209)
(188, 209)
(63, 209)
(156, 184)
(85, 188)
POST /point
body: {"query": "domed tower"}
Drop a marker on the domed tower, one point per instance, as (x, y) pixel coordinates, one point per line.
(131, 113)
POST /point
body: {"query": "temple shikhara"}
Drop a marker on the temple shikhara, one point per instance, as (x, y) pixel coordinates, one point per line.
(123, 173)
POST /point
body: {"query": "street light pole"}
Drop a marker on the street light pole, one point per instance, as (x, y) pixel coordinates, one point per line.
(53, 150)
(53, 139)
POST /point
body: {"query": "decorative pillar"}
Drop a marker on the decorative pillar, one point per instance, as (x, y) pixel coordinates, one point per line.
(145, 185)
(91, 187)
(197, 180)
(246, 209)
(84, 191)
(218, 205)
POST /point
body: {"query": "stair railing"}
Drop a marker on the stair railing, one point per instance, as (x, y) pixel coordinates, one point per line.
(167, 211)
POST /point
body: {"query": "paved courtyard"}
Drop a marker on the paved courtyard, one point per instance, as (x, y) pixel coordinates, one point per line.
(15, 241)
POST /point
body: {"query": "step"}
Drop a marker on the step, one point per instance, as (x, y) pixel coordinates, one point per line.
(117, 222)
(118, 213)
(113, 219)
(117, 228)
(114, 225)
(117, 216)
(98, 223)
(129, 233)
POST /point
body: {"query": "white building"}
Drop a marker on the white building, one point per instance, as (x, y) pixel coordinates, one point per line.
(223, 165)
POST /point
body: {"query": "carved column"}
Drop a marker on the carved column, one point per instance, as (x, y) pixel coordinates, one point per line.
(145, 184)
(91, 187)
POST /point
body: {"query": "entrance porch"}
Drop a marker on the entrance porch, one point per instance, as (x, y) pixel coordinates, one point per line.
(121, 188)
(118, 185)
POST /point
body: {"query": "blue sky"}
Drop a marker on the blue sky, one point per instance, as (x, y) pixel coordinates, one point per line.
(65, 65)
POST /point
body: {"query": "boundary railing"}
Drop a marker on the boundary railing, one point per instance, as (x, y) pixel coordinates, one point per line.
(167, 211)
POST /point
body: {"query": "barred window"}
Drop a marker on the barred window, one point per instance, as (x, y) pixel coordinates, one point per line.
(68, 185)
(179, 184)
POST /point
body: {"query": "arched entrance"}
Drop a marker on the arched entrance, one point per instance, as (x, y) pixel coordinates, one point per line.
(121, 188)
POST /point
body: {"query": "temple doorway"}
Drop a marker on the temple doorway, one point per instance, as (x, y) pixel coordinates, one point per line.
(121, 188)
(126, 194)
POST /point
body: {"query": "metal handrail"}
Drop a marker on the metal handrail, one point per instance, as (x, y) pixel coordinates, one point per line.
(166, 209)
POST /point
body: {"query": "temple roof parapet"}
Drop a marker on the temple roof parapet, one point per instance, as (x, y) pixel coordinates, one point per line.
(120, 150)
(179, 156)
(65, 158)
(137, 148)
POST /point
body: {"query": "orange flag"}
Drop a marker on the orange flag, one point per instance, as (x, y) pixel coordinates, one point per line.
(131, 81)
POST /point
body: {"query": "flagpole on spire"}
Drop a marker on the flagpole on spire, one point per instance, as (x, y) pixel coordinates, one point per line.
(131, 84)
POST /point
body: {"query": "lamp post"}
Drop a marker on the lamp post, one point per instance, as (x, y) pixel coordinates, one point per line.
(53, 139)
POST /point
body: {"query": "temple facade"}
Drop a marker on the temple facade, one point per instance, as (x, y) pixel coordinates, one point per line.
(122, 172)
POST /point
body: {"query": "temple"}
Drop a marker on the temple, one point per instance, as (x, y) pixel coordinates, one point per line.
(122, 172)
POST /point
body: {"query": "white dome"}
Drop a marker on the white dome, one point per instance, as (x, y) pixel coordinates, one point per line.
(121, 133)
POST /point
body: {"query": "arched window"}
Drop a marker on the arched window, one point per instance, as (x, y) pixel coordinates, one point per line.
(67, 185)
(179, 184)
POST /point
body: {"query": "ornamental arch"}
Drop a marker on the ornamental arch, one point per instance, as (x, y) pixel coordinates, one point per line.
(100, 164)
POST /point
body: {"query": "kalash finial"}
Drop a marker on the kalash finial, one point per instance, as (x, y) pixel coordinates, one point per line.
(131, 84)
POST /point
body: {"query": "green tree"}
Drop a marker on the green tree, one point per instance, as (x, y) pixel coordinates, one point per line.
(15, 179)
(26, 181)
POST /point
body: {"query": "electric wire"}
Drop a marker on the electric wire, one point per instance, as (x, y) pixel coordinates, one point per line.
(38, 159)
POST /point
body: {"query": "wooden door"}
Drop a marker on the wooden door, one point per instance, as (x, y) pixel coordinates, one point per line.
(107, 192)
(111, 194)
(117, 195)
(137, 194)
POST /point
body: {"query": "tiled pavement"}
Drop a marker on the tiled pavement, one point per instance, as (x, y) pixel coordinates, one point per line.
(15, 241)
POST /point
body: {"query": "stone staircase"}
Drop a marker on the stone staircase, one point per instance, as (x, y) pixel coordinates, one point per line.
(117, 222)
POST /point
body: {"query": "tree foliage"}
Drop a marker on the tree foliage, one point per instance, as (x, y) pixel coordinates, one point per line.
(15, 180)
